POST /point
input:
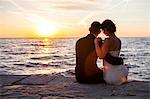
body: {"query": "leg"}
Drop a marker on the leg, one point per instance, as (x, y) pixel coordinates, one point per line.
(97, 78)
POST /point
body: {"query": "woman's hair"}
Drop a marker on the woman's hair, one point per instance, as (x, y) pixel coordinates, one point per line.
(95, 27)
(109, 25)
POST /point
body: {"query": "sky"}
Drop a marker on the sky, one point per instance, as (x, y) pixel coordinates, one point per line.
(72, 18)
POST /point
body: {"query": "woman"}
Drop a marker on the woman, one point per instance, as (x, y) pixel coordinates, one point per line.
(113, 74)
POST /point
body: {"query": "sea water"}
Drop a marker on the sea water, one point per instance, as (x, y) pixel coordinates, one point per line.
(46, 56)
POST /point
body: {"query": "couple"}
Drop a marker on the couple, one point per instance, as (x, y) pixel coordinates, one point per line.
(90, 48)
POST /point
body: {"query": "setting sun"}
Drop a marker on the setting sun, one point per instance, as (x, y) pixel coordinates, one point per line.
(46, 29)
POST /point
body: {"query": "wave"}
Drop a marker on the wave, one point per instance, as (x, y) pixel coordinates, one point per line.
(18, 53)
(38, 45)
(40, 58)
(6, 57)
(46, 57)
(31, 64)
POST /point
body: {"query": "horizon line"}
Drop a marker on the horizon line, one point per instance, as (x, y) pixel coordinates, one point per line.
(60, 37)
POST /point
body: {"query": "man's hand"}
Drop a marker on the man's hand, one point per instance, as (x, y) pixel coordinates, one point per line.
(98, 41)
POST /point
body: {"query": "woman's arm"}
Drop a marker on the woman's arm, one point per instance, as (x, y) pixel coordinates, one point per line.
(102, 51)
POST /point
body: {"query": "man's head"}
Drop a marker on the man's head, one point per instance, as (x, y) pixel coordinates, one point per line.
(95, 28)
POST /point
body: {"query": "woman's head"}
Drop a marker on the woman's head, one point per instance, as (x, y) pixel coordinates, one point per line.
(108, 27)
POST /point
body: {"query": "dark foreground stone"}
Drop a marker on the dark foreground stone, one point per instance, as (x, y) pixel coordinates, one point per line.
(59, 86)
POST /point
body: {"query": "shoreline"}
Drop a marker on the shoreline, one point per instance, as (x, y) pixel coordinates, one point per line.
(58, 85)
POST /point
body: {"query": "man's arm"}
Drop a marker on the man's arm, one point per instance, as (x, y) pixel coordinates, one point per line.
(113, 60)
(103, 49)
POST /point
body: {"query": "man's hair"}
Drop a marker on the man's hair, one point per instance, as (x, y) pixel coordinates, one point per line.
(109, 25)
(95, 27)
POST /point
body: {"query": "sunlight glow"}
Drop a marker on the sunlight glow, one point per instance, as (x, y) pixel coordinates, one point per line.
(43, 27)
(46, 29)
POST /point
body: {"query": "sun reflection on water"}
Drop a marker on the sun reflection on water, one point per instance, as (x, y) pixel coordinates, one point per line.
(46, 44)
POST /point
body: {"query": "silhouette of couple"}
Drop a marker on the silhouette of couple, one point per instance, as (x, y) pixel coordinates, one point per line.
(90, 48)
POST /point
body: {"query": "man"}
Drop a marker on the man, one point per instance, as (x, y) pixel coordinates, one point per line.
(86, 70)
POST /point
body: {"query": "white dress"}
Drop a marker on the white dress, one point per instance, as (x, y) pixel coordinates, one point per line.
(115, 74)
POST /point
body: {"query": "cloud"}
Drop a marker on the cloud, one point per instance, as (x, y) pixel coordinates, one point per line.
(85, 9)
(49, 4)
(73, 7)
(91, 0)
(6, 5)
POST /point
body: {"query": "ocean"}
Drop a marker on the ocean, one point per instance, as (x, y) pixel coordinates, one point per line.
(47, 56)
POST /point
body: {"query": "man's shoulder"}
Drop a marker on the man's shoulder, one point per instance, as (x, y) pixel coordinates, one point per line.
(81, 39)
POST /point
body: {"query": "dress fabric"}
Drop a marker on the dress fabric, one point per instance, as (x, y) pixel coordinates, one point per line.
(115, 74)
